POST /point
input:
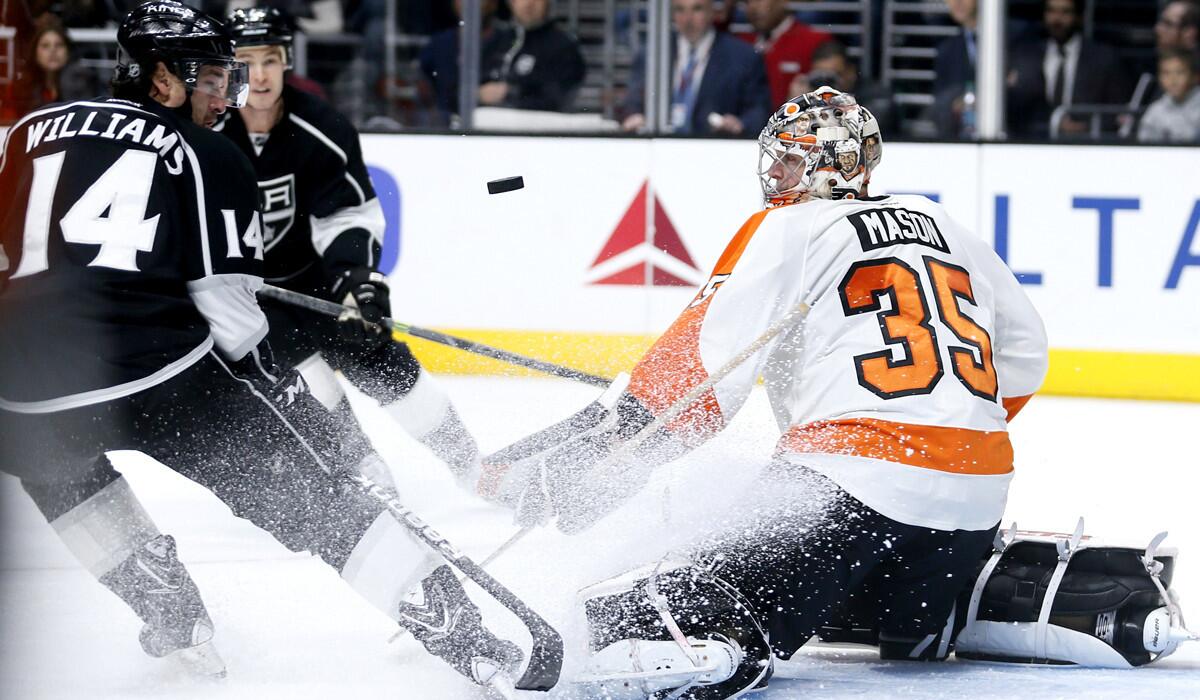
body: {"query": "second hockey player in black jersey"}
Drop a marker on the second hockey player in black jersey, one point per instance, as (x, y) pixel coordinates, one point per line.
(130, 252)
(323, 230)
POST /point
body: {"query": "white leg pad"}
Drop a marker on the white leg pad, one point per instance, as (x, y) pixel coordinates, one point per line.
(322, 381)
(387, 563)
(105, 529)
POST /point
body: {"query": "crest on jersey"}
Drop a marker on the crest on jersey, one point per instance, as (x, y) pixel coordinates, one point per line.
(278, 199)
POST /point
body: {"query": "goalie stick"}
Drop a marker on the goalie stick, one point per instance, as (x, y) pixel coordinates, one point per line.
(331, 308)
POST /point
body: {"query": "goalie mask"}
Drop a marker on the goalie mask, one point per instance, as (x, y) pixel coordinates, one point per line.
(805, 145)
(193, 46)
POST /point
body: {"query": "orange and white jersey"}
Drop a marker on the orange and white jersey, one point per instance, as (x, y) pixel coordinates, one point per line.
(919, 346)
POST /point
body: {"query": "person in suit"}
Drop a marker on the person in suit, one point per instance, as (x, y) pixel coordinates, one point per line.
(954, 67)
(718, 82)
(1061, 68)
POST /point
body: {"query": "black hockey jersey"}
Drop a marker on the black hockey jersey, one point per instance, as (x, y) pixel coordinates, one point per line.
(320, 213)
(130, 243)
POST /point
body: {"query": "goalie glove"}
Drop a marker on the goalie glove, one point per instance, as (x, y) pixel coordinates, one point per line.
(575, 477)
(367, 291)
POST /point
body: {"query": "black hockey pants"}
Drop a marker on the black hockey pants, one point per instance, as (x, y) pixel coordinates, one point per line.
(206, 425)
(808, 546)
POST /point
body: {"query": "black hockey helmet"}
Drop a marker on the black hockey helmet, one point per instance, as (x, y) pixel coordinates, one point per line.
(263, 26)
(185, 40)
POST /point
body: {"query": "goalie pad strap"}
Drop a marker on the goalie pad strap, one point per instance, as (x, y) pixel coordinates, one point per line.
(1066, 549)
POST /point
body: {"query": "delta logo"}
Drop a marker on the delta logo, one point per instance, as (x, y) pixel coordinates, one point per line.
(631, 257)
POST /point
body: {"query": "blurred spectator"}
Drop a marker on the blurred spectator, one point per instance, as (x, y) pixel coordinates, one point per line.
(1178, 26)
(832, 67)
(48, 73)
(733, 98)
(82, 13)
(439, 60)
(531, 64)
(1046, 74)
(785, 43)
(954, 69)
(1174, 117)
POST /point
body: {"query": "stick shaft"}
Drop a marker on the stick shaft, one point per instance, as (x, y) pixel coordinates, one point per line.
(330, 308)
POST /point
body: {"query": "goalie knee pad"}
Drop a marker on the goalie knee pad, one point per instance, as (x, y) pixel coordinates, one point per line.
(1068, 599)
(672, 630)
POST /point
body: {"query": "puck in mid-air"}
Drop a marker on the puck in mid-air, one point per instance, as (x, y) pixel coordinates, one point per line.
(505, 184)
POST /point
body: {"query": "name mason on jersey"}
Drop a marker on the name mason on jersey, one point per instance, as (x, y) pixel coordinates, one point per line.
(113, 125)
(880, 228)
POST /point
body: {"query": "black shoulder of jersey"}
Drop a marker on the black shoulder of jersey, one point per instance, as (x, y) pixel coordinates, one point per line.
(320, 114)
(215, 151)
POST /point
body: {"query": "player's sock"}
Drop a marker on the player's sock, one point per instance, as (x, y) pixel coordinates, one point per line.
(387, 564)
(113, 537)
(426, 413)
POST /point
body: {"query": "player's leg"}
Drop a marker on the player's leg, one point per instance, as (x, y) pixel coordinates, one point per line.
(296, 342)
(797, 552)
(284, 468)
(413, 398)
(916, 590)
(59, 458)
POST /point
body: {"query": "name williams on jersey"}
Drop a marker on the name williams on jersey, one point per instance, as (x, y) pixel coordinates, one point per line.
(108, 124)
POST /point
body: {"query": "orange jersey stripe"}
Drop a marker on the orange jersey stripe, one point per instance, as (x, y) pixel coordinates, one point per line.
(955, 450)
(673, 365)
(1014, 404)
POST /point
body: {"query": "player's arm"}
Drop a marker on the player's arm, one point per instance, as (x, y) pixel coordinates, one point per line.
(1019, 349)
(347, 232)
(10, 167)
(226, 255)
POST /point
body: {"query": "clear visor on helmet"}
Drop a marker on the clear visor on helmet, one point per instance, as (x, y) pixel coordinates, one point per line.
(224, 79)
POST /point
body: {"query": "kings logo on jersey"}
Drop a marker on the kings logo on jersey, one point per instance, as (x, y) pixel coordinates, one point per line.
(278, 198)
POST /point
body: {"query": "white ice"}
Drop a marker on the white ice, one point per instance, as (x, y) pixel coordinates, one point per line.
(288, 627)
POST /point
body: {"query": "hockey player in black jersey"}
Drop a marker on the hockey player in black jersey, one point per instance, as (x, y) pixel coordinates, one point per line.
(130, 252)
(323, 228)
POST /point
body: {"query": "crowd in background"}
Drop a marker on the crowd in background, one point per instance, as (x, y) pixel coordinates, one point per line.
(731, 63)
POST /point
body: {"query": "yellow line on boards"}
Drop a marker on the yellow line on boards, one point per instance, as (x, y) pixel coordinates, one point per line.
(1123, 375)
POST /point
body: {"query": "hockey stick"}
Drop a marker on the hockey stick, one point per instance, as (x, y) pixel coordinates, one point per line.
(330, 308)
(546, 656)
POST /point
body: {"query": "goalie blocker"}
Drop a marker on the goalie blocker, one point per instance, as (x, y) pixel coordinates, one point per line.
(1046, 598)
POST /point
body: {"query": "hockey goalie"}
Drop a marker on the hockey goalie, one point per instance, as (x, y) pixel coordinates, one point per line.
(895, 347)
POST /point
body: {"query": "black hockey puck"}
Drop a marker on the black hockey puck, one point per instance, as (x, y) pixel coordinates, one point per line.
(506, 184)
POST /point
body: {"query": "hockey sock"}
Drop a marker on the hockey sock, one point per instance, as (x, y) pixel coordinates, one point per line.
(111, 534)
(426, 413)
(387, 563)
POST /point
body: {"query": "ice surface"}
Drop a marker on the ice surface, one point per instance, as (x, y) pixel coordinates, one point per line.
(288, 627)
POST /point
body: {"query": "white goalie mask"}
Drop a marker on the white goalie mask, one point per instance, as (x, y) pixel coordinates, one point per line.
(804, 143)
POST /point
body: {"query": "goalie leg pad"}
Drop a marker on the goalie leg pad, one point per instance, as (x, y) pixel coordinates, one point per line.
(1059, 599)
(673, 630)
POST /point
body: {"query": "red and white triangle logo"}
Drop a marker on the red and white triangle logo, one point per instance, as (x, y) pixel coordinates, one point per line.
(629, 257)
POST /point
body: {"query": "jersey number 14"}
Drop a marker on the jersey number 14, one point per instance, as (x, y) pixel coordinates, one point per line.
(907, 324)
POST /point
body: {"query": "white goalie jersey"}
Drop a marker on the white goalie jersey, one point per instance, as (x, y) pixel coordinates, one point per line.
(918, 348)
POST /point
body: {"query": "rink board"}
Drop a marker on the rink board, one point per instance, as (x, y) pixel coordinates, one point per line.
(569, 268)
(565, 269)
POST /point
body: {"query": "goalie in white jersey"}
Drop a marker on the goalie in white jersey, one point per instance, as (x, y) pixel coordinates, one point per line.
(892, 395)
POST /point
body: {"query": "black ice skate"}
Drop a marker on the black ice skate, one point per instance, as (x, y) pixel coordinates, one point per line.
(451, 628)
(155, 584)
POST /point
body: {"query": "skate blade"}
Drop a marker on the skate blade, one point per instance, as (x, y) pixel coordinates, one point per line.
(201, 660)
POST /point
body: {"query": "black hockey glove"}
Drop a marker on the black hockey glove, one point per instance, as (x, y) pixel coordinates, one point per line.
(366, 290)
